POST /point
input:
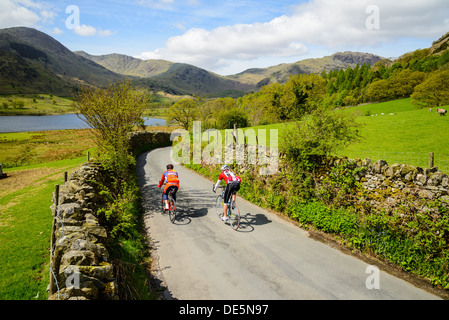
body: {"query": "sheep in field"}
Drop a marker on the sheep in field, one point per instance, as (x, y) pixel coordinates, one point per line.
(442, 112)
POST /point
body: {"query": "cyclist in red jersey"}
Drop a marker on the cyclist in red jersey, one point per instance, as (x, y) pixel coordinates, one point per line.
(232, 185)
(171, 180)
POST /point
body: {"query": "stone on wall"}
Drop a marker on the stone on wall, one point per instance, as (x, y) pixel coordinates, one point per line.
(390, 186)
(80, 261)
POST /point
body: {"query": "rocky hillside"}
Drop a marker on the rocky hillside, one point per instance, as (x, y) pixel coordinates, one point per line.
(33, 62)
(173, 78)
(440, 45)
(281, 73)
(130, 66)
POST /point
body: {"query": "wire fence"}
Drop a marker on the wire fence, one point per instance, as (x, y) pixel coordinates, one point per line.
(417, 159)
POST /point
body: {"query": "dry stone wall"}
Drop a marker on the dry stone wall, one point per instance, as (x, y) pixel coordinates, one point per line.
(389, 186)
(80, 265)
(81, 268)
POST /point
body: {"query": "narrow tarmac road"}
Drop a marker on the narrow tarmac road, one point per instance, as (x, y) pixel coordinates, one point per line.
(201, 258)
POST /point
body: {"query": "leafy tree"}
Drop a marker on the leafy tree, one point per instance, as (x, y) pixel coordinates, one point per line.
(378, 90)
(253, 106)
(271, 101)
(112, 114)
(317, 135)
(302, 93)
(228, 118)
(402, 83)
(433, 92)
(183, 113)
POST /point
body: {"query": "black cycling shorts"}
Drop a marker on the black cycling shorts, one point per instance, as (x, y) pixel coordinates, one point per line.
(232, 187)
(175, 189)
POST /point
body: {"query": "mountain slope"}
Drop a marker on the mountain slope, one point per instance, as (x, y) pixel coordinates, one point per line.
(174, 78)
(183, 79)
(281, 73)
(440, 45)
(126, 65)
(51, 67)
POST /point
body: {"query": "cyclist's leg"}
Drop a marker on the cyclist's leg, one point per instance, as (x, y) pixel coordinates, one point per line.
(226, 197)
(234, 189)
(175, 190)
(166, 207)
(172, 192)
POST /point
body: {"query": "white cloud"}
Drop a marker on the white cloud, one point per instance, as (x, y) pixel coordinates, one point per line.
(89, 31)
(105, 33)
(336, 24)
(48, 16)
(85, 31)
(13, 14)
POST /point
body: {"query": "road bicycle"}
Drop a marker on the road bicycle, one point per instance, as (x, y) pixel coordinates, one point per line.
(171, 205)
(233, 212)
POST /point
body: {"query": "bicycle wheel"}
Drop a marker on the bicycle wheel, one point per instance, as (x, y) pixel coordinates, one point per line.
(219, 206)
(234, 217)
(172, 211)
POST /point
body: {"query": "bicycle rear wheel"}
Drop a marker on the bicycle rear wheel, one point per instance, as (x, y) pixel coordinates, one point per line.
(234, 217)
(219, 206)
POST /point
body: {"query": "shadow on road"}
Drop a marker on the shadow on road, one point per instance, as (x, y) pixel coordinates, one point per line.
(249, 220)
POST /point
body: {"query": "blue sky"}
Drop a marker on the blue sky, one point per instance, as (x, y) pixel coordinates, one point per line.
(228, 37)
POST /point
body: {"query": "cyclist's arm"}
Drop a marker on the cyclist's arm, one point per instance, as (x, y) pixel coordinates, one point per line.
(218, 182)
(162, 181)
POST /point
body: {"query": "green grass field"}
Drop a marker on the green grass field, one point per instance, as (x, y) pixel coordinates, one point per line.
(407, 136)
(35, 163)
(37, 104)
(25, 227)
(24, 148)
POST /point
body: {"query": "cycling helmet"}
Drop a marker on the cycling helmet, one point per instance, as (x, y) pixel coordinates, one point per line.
(225, 167)
(170, 166)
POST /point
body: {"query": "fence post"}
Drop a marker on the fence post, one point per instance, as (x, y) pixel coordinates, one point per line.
(431, 159)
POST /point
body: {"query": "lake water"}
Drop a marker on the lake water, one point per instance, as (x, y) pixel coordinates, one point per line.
(59, 122)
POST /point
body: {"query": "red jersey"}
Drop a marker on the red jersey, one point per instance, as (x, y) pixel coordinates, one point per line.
(170, 177)
(229, 176)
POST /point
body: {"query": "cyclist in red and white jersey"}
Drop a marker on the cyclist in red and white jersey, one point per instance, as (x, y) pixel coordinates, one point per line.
(232, 185)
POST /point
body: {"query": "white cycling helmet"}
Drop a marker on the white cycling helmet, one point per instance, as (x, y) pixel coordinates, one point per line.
(225, 167)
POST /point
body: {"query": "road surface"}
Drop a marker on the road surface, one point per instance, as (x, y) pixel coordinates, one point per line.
(202, 258)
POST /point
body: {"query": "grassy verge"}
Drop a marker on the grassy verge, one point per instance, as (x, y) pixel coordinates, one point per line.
(34, 163)
(25, 226)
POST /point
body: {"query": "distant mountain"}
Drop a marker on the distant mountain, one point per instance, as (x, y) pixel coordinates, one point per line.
(184, 79)
(187, 78)
(33, 62)
(126, 65)
(174, 78)
(282, 72)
